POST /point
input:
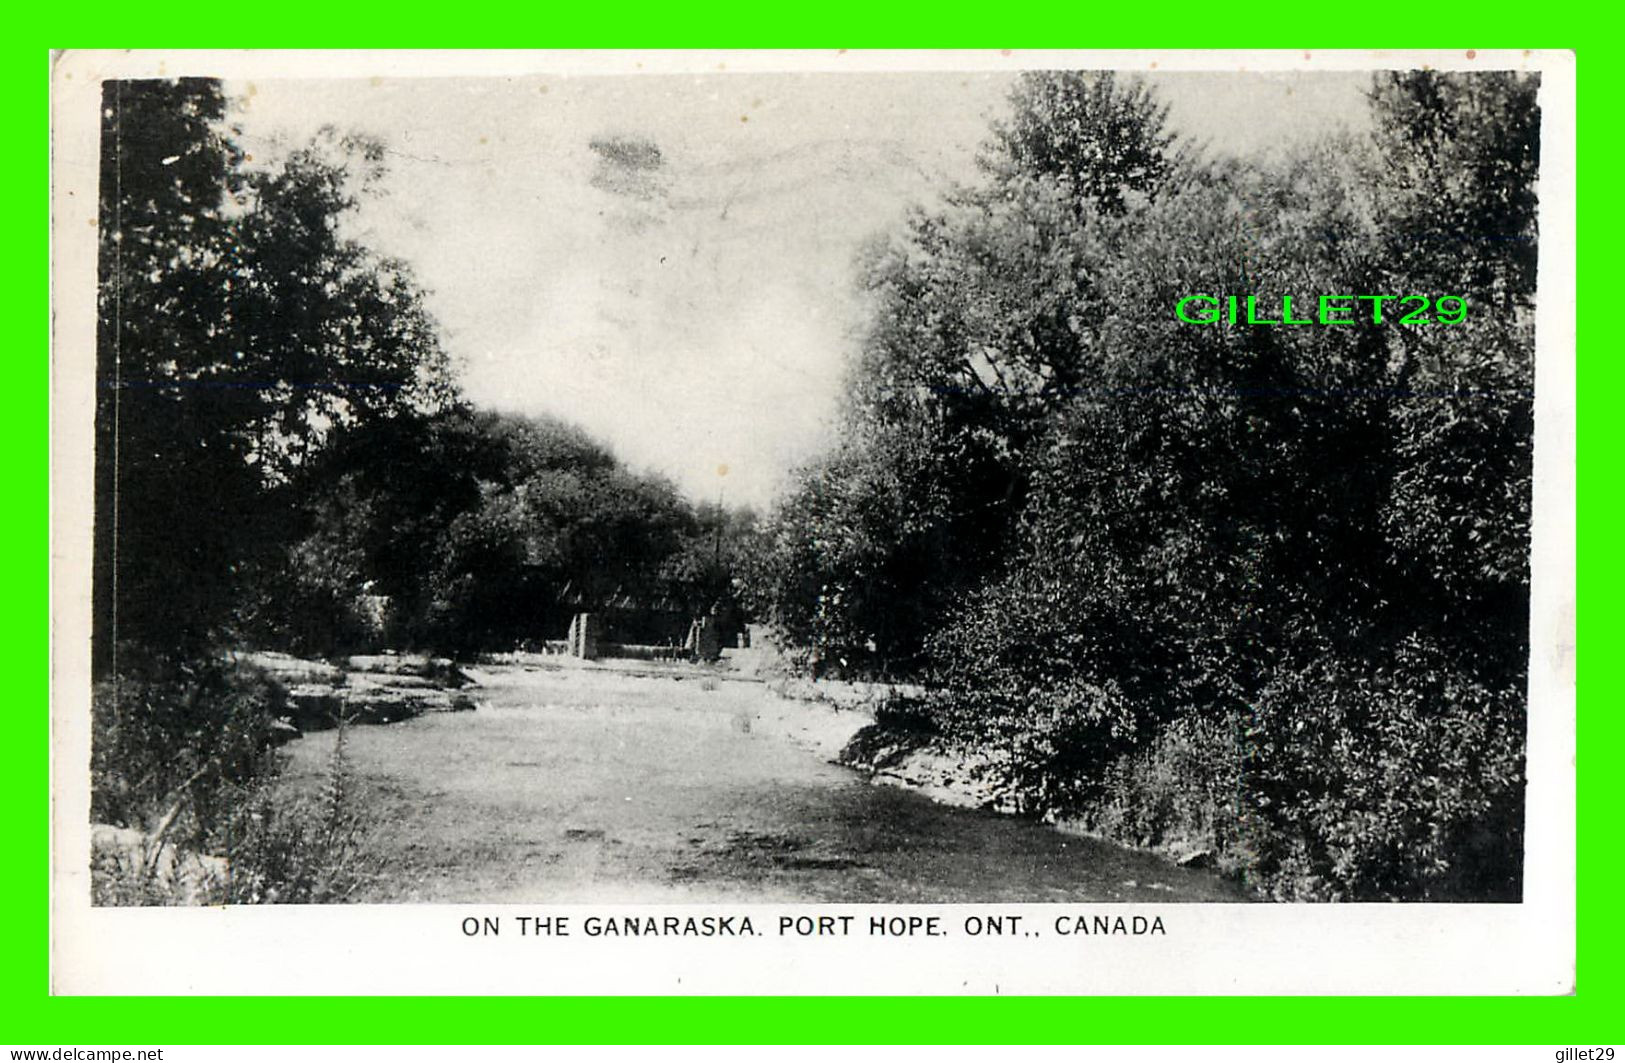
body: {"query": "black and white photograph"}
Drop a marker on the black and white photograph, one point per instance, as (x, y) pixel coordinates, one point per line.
(1090, 483)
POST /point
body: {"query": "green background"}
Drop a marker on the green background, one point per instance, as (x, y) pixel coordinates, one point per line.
(28, 1015)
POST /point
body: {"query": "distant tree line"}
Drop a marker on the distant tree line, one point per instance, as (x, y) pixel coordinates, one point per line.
(1258, 590)
(467, 530)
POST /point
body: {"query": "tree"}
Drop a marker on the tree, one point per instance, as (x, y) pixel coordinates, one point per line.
(1457, 212)
(987, 316)
(504, 527)
(716, 557)
(863, 553)
(238, 328)
(1197, 506)
(1104, 140)
(1457, 156)
(160, 447)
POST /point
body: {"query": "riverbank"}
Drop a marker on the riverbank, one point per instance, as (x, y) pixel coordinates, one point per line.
(917, 760)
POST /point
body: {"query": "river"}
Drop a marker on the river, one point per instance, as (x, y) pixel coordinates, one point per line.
(604, 785)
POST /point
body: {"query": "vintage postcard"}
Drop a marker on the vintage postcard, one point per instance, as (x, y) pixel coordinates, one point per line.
(796, 522)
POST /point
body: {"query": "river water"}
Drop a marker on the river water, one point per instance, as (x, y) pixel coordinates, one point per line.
(596, 785)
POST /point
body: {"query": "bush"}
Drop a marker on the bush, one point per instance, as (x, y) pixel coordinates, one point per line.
(1348, 775)
(1183, 793)
(1041, 752)
(1402, 778)
(182, 756)
(1021, 682)
(275, 847)
(901, 713)
(174, 741)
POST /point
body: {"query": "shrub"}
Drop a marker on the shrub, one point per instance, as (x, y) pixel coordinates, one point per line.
(1022, 683)
(182, 753)
(1042, 752)
(901, 713)
(1402, 778)
(1183, 792)
(172, 742)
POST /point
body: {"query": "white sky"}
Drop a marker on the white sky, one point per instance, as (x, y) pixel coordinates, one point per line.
(703, 320)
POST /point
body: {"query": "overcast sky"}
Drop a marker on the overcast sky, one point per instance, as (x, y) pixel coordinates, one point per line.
(668, 260)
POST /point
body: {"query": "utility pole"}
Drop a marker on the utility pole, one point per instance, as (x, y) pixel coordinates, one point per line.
(716, 538)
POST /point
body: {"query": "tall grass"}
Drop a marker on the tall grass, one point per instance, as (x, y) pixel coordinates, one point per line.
(297, 849)
(184, 769)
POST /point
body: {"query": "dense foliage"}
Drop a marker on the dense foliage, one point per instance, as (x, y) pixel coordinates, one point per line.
(238, 327)
(471, 530)
(171, 742)
(1290, 560)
